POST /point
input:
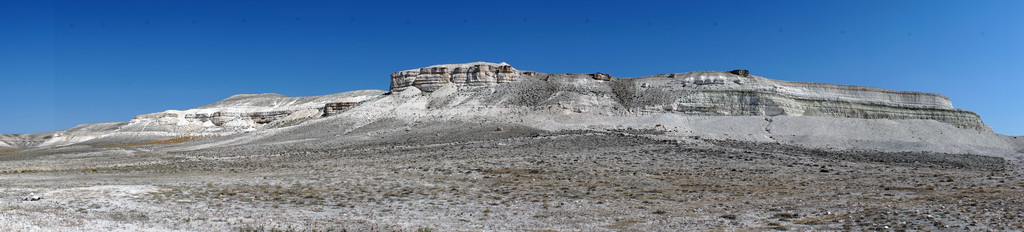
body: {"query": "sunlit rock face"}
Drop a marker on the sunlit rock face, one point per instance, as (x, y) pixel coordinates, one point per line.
(336, 107)
(723, 93)
(703, 93)
(248, 112)
(483, 91)
(429, 79)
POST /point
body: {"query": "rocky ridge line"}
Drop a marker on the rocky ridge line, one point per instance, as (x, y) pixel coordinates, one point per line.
(703, 93)
(487, 91)
(429, 79)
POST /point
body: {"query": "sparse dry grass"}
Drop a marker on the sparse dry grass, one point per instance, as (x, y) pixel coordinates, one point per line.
(818, 220)
(159, 142)
(514, 171)
(17, 171)
(623, 223)
(590, 183)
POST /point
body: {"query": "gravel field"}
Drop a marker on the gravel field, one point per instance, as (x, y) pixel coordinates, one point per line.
(499, 177)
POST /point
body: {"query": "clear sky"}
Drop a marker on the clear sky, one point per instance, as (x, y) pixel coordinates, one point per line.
(64, 63)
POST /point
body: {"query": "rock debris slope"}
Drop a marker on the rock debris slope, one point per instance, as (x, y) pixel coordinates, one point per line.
(693, 104)
(239, 113)
(247, 112)
(711, 104)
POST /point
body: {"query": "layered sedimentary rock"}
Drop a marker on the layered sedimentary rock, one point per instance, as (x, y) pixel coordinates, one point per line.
(480, 90)
(335, 107)
(72, 135)
(246, 112)
(704, 93)
(602, 76)
(429, 79)
(722, 93)
(219, 118)
(741, 72)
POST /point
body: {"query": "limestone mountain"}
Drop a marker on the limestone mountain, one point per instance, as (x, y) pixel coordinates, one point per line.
(711, 104)
(706, 93)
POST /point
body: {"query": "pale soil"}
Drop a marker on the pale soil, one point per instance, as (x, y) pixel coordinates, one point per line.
(477, 178)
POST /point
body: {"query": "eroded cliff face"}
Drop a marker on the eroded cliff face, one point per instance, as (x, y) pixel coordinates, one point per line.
(248, 112)
(498, 91)
(704, 93)
(722, 93)
(429, 79)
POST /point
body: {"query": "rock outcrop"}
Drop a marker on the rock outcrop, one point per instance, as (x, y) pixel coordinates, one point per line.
(704, 93)
(741, 72)
(429, 79)
(497, 91)
(335, 107)
(602, 76)
(247, 112)
(720, 93)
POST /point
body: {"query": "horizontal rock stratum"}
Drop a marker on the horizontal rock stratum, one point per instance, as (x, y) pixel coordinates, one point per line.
(735, 105)
(705, 93)
(431, 78)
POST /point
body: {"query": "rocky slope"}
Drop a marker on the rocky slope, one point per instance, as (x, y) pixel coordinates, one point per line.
(247, 112)
(705, 93)
(76, 134)
(429, 79)
(239, 113)
(711, 104)
(527, 152)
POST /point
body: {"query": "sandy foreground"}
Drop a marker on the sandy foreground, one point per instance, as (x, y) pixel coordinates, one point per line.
(478, 178)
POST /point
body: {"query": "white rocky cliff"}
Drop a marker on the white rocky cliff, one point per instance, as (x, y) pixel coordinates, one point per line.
(429, 79)
(705, 93)
(712, 104)
(248, 112)
(238, 113)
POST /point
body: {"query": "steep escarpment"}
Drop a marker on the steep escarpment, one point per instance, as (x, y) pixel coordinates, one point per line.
(429, 79)
(721, 93)
(705, 93)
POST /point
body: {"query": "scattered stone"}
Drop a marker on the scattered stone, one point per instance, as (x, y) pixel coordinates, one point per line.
(741, 72)
(33, 198)
(602, 76)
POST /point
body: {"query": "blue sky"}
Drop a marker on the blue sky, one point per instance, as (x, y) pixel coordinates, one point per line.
(71, 62)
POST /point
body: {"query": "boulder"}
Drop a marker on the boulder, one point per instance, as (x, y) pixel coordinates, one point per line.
(601, 76)
(741, 72)
(32, 197)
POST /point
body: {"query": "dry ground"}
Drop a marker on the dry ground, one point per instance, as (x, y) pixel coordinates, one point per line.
(516, 179)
